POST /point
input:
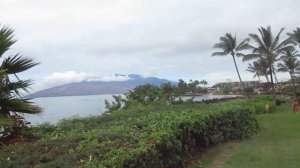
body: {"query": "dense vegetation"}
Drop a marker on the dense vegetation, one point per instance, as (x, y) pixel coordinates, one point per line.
(153, 135)
(12, 104)
(266, 50)
(149, 94)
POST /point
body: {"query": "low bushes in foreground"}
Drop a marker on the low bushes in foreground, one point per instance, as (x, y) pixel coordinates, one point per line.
(143, 136)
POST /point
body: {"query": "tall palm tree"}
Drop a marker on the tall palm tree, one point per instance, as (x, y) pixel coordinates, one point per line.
(295, 36)
(228, 45)
(268, 48)
(11, 87)
(289, 63)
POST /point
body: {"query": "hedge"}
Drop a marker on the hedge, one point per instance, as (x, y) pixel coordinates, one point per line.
(140, 138)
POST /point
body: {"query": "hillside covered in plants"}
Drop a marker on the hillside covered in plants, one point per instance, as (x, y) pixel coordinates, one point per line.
(153, 135)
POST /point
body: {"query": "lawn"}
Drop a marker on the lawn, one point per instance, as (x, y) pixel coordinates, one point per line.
(276, 145)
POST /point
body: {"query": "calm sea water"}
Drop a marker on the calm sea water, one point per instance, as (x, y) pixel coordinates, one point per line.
(207, 97)
(57, 108)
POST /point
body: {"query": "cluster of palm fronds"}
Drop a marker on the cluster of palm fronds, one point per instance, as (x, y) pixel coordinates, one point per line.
(266, 50)
(12, 105)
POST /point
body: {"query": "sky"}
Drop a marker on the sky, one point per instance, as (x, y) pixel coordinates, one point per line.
(77, 40)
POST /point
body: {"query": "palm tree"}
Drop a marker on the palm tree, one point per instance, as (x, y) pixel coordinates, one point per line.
(264, 68)
(11, 87)
(267, 48)
(295, 36)
(228, 45)
(255, 69)
(261, 67)
(203, 82)
(290, 64)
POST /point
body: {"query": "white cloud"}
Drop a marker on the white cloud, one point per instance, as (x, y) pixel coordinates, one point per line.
(110, 78)
(61, 78)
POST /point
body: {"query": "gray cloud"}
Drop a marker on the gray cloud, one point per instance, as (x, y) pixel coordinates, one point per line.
(170, 39)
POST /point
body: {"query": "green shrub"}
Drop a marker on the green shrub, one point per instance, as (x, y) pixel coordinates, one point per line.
(142, 136)
(257, 103)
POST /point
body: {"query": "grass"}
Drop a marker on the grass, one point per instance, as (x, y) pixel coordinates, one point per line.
(277, 145)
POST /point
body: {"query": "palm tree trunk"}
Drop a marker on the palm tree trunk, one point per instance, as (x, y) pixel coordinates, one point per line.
(259, 81)
(293, 82)
(237, 70)
(275, 76)
(267, 78)
(272, 82)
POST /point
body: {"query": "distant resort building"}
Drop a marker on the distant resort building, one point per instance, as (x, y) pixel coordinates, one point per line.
(238, 84)
(235, 87)
(213, 90)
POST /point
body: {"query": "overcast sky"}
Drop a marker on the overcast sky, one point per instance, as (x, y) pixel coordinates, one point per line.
(93, 39)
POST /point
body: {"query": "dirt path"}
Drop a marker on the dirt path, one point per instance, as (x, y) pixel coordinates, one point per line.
(226, 153)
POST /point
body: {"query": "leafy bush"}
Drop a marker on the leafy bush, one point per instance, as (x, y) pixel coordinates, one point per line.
(257, 103)
(141, 136)
(149, 94)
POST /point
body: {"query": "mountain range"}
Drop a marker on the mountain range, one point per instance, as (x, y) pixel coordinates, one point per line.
(99, 87)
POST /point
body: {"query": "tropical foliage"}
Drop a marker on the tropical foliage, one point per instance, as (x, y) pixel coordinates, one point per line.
(139, 136)
(259, 68)
(12, 105)
(149, 94)
(295, 36)
(290, 64)
(193, 87)
(255, 68)
(228, 45)
(267, 48)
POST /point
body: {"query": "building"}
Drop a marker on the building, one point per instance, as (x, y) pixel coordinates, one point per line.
(237, 84)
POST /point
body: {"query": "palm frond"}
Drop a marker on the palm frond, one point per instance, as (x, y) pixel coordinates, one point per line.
(219, 54)
(298, 68)
(6, 39)
(244, 45)
(295, 36)
(249, 57)
(240, 54)
(282, 68)
(19, 105)
(17, 63)
(220, 45)
(250, 68)
(276, 40)
(20, 85)
(256, 39)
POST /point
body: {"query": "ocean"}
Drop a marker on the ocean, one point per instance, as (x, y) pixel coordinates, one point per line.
(57, 108)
